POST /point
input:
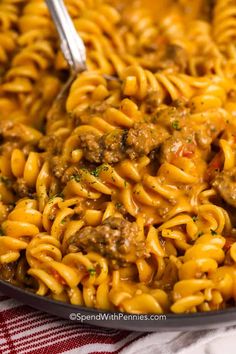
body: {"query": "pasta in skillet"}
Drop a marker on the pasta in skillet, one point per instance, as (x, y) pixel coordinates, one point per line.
(122, 198)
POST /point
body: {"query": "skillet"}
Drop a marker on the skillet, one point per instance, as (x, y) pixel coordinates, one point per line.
(116, 320)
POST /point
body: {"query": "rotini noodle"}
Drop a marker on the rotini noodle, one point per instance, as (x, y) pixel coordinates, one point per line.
(123, 196)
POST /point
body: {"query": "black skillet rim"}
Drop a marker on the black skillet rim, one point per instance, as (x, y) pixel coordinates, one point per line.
(173, 322)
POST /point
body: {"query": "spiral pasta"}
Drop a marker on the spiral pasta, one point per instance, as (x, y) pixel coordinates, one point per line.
(224, 22)
(123, 196)
(17, 233)
(9, 12)
(34, 56)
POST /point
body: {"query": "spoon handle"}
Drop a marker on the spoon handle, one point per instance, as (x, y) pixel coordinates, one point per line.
(72, 45)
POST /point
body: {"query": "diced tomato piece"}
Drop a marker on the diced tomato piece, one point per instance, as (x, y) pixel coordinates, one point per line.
(215, 165)
(58, 277)
(229, 242)
(186, 150)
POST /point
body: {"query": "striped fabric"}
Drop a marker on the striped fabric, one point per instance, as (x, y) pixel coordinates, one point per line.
(25, 330)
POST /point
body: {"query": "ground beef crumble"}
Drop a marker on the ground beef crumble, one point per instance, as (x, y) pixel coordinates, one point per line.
(119, 144)
(225, 184)
(115, 239)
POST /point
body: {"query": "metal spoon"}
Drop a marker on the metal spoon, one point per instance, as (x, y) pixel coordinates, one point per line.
(72, 47)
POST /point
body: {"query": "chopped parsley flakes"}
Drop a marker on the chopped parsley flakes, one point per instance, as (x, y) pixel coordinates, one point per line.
(175, 125)
(58, 195)
(95, 172)
(118, 205)
(98, 170)
(75, 177)
(92, 271)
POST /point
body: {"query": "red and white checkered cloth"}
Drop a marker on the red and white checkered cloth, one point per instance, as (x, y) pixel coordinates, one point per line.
(25, 330)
